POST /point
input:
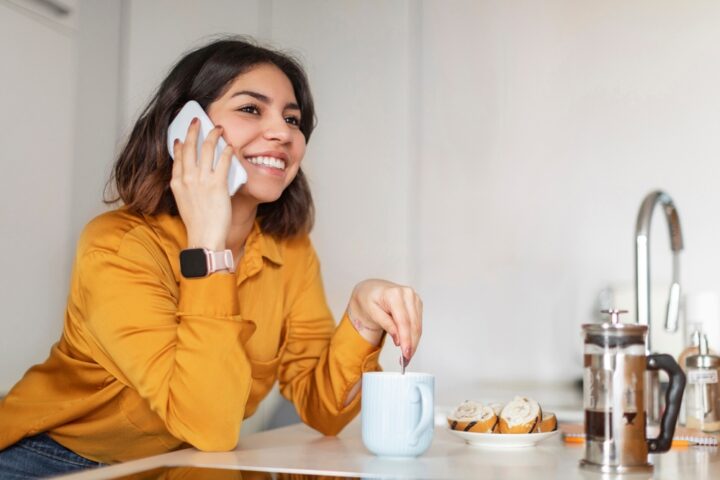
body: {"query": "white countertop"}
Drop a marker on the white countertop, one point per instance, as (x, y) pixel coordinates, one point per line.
(299, 449)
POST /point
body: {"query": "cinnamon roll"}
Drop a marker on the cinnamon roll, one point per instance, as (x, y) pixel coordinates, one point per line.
(521, 415)
(472, 416)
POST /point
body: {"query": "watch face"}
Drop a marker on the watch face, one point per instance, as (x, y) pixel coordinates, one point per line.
(193, 263)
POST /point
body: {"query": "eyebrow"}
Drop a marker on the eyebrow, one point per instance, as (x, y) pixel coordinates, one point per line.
(264, 99)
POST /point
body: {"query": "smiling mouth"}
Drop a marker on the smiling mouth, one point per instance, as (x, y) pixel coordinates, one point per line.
(270, 162)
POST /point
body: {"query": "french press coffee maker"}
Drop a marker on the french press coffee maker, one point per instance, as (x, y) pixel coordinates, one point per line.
(614, 397)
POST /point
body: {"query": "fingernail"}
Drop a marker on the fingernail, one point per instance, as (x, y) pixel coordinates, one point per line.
(406, 360)
(395, 340)
(177, 140)
(219, 127)
(194, 121)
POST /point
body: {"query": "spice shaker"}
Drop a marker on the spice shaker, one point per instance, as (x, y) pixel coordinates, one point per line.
(702, 398)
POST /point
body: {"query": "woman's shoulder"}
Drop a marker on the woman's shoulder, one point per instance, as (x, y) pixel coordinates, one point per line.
(108, 231)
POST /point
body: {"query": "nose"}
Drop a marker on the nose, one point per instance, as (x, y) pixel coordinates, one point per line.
(277, 129)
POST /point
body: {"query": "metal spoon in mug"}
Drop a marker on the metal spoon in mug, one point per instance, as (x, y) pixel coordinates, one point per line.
(403, 363)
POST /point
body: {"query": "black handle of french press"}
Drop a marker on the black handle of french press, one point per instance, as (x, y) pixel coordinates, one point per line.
(673, 399)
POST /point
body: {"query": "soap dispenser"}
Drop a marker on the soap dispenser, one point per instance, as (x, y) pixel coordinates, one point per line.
(702, 396)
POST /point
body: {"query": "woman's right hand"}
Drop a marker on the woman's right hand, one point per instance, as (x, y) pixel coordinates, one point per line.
(378, 305)
(200, 191)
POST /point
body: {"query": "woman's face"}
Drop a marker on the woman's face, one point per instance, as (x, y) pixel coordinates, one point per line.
(261, 118)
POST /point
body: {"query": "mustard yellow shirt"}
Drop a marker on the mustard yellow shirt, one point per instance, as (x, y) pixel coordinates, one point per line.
(150, 361)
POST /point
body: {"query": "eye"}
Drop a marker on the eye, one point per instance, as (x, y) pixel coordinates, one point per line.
(252, 109)
(293, 120)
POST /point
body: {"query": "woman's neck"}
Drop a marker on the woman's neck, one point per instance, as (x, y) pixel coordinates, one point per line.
(241, 222)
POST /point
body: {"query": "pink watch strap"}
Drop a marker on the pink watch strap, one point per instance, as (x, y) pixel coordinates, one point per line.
(222, 260)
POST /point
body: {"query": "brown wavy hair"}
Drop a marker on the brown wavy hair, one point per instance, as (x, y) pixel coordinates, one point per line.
(141, 174)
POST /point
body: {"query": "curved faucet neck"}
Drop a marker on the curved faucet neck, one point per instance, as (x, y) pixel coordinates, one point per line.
(642, 227)
(642, 259)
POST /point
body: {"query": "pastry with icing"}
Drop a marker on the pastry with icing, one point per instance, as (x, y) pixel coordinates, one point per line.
(471, 416)
(521, 415)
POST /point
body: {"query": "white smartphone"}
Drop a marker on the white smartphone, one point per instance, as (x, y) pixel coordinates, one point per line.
(178, 129)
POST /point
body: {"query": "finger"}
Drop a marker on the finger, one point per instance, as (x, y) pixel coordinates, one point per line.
(396, 308)
(207, 152)
(177, 159)
(385, 321)
(414, 317)
(223, 166)
(176, 176)
(190, 148)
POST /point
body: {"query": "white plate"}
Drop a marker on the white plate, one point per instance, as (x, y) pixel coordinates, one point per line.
(503, 440)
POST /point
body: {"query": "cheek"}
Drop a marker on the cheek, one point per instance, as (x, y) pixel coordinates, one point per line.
(239, 133)
(300, 155)
(299, 149)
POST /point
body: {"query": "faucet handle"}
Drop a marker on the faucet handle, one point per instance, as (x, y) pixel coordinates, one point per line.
(614, 314)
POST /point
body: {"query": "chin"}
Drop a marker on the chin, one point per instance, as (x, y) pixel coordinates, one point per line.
(269, 199)
(262, 195)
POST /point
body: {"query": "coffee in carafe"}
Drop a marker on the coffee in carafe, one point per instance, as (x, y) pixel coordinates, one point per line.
(614, 397)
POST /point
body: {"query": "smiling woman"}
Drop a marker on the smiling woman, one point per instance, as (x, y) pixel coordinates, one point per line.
(153, 358)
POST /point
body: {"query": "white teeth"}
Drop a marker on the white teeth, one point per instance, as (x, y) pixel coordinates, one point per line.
(268, 162)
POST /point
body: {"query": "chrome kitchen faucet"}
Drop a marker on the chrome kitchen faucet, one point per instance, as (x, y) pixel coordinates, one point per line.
(642, 281)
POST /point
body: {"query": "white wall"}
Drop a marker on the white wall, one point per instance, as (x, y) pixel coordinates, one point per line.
(38, 101)
(493, 154)
(159, 32)
(543, 126)
(98, 114)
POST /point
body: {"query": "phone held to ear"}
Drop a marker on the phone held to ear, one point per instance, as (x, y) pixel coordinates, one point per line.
(178, 129)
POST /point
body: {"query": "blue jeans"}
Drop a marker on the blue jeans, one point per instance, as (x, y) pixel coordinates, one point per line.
(40, 456)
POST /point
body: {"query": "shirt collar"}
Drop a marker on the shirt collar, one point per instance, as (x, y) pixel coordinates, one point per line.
(266, 245)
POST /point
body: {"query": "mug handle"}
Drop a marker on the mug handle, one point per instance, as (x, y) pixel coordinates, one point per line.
(426, 413)
(673, 397)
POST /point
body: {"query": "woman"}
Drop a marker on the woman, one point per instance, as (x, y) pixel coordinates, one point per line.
(151, 359)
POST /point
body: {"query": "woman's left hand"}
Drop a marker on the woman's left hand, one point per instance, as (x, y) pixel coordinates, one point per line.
(378, 305)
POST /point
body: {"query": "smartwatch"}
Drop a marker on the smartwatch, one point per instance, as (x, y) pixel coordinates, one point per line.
(201, 262)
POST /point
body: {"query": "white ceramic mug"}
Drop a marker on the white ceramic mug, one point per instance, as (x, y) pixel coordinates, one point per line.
(397, 413)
